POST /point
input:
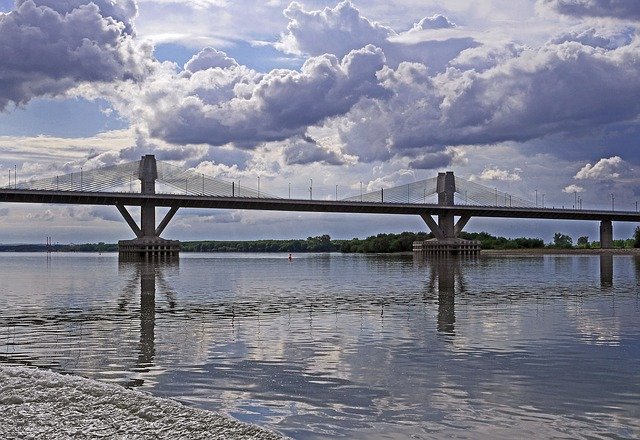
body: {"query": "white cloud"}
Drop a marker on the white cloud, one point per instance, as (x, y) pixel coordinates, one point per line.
(495, 173)
(573, 189)
(604, 169)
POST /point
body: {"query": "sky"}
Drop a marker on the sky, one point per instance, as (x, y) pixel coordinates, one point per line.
(526, 96)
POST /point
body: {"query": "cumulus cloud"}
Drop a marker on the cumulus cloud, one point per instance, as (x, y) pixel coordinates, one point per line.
(604, 169)
(49, 46)
(623, 9)
(217, 106)
(436, 21)
(209, 58)
(337, 30)
(558, 88)
(342, 29)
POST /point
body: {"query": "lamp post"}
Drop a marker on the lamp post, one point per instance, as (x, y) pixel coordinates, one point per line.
(310, 189)
(289, 189)
(361, 191)
(258, 186)
(543, 200)
(536, 198)
(613, 202)
(336, 193)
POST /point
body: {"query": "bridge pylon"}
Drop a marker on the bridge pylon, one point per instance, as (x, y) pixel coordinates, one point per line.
(148, 246)
(446, 230)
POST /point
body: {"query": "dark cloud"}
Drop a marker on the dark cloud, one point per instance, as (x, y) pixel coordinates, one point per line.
(623, 9)
(51, 46)
(432, 161)
(87, 213)
(307, 151)
(559, 88)
(170, 153)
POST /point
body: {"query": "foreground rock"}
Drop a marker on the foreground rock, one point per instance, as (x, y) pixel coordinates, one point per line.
(42, 404)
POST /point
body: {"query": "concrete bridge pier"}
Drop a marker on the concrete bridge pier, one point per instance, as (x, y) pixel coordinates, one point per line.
(148, 246)
(446, 230)
(606, 234)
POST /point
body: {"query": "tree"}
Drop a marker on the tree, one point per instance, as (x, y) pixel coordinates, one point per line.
(562, 240)
(583, 241)
(636, 237)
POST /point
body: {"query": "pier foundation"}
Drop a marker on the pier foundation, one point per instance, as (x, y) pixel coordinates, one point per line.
(447, 246)
(148, 249)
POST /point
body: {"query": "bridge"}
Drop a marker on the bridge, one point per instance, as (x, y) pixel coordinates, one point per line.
(458, 200)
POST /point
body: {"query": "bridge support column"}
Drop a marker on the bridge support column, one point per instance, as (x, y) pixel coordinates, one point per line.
(446, 230)
(606, 234)
(148, 246)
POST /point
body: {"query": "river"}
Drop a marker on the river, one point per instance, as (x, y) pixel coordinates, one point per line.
(358, 346)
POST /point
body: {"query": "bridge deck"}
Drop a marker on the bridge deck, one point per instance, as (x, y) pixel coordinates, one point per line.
(275, 204)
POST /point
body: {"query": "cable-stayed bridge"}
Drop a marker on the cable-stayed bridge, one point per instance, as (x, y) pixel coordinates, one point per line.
(148, 183)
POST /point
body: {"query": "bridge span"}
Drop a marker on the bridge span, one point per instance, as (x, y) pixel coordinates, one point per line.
(206, 192)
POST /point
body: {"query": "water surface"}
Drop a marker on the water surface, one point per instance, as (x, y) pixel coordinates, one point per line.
(346, 345)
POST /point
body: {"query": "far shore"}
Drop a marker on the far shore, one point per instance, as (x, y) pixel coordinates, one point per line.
(557, 251)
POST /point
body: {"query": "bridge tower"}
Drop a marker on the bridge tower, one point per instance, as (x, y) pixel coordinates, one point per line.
(148, 246)
(446, 231)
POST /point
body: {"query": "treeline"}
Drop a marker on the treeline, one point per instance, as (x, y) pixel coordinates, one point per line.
(322, 243)
(85, 247)
(381, 243)
(387, 243)
(488, 241)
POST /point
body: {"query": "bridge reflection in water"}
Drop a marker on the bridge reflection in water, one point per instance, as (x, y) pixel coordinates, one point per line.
(143, 277)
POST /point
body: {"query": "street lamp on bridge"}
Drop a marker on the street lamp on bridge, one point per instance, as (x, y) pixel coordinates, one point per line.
(613, 201)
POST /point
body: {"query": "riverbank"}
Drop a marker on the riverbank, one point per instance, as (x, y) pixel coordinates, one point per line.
(42, 404)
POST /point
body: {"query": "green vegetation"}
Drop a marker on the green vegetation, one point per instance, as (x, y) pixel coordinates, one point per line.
(320, 243)
(561, 241)
(381, 243)
(488, 241)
